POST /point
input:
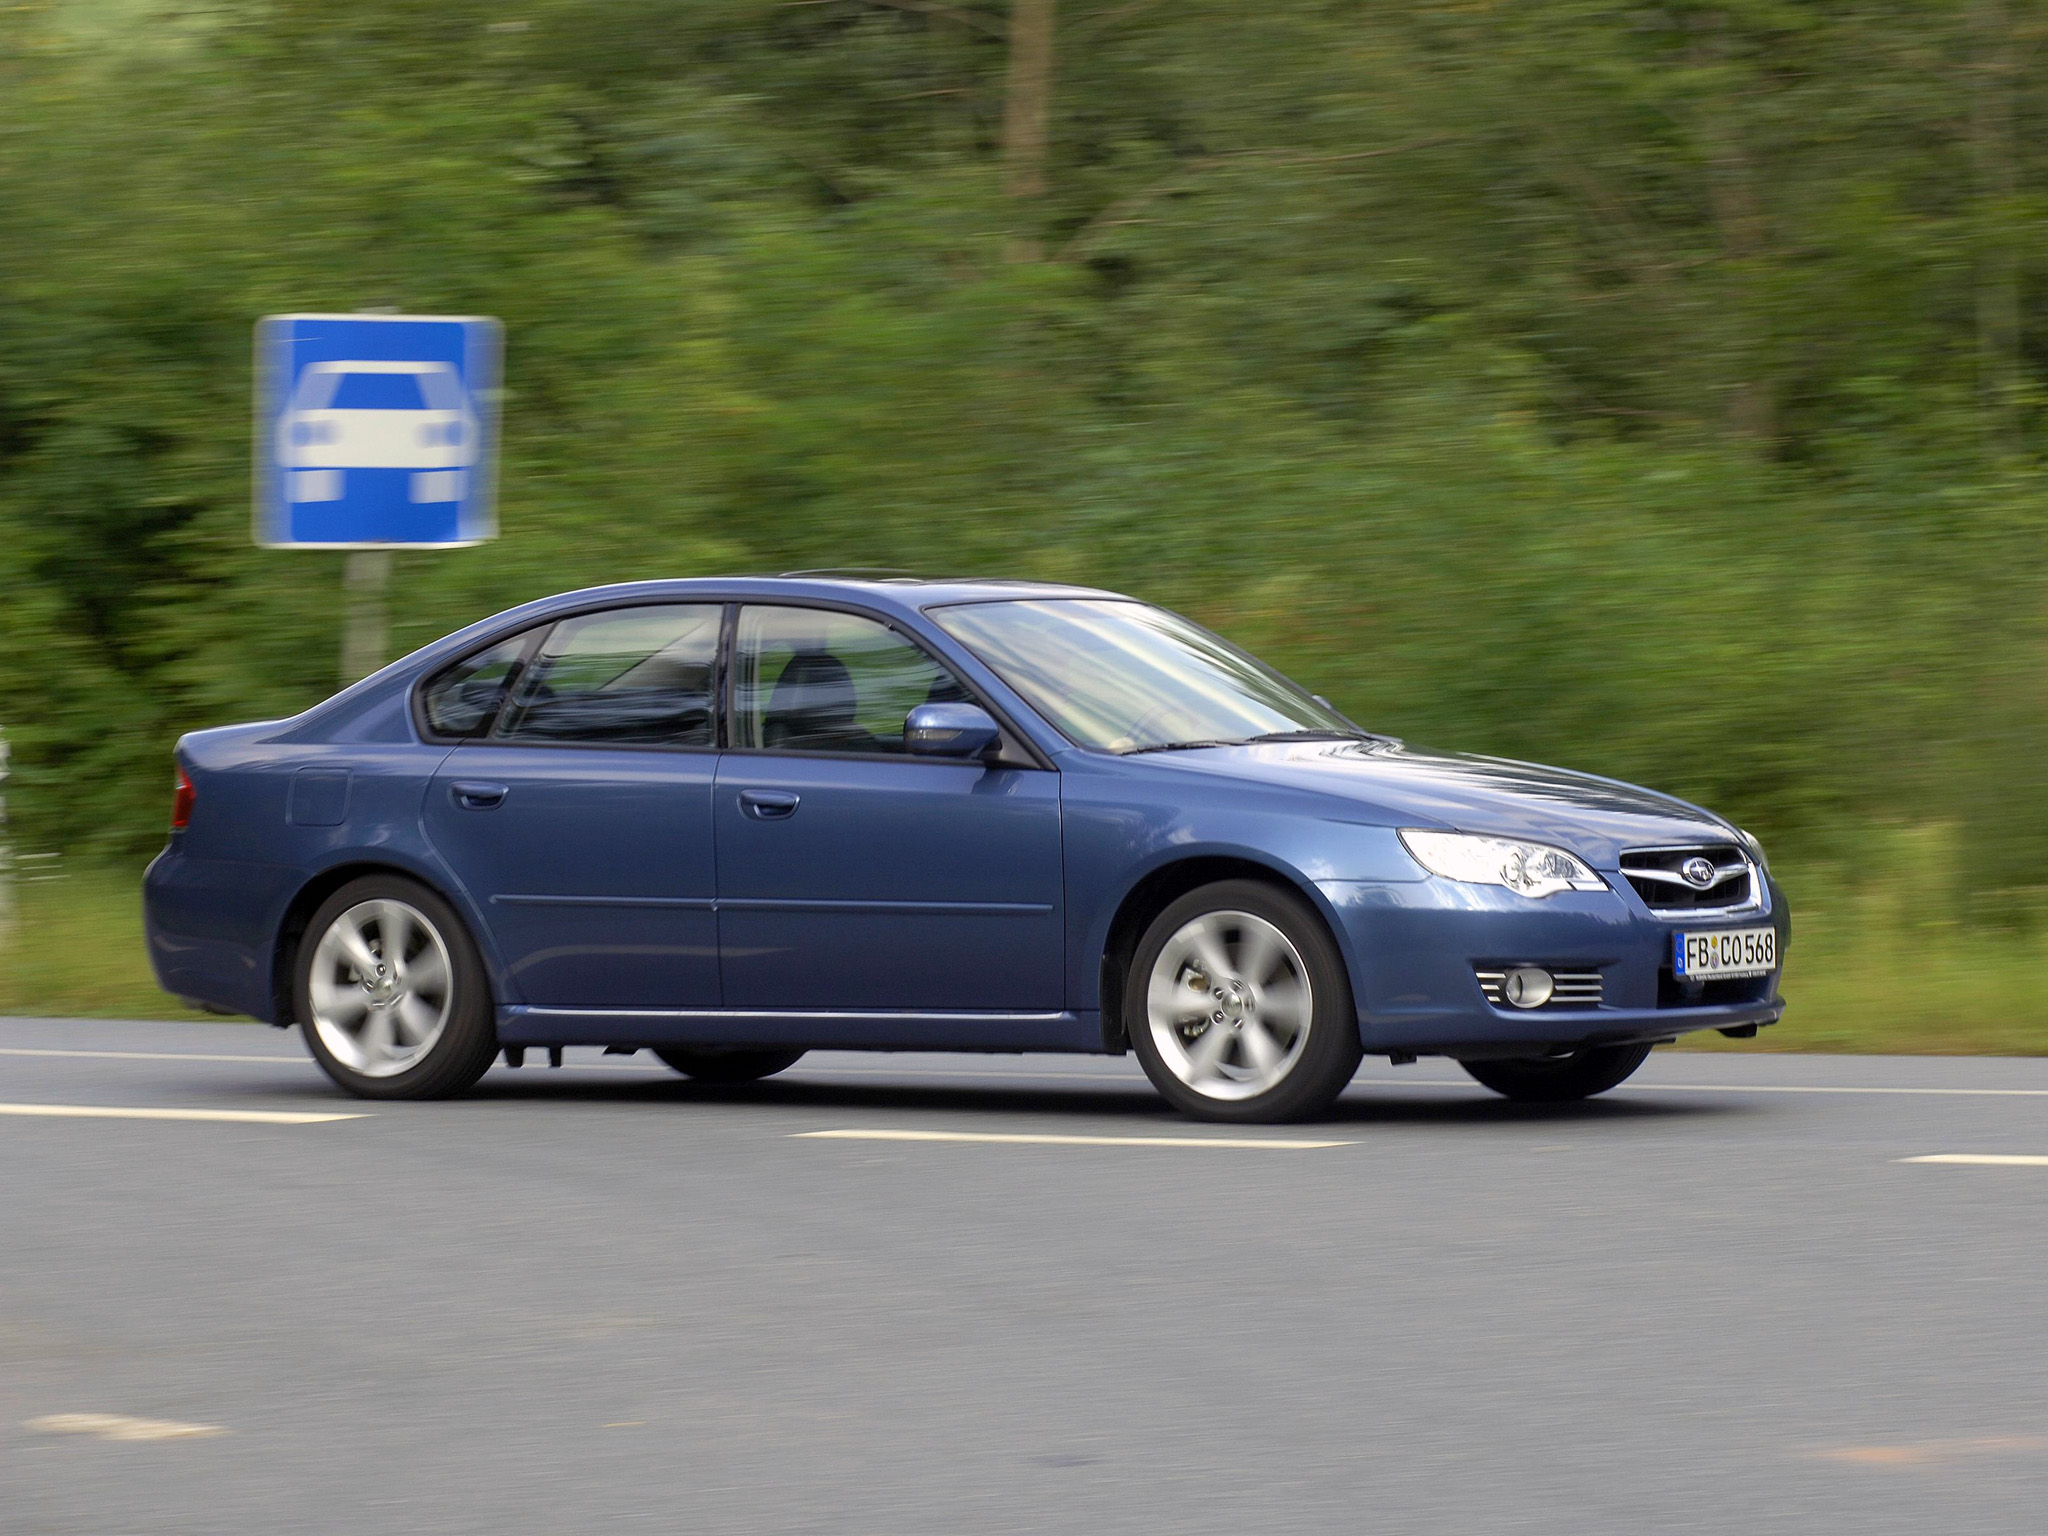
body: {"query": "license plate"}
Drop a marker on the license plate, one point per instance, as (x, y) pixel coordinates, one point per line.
(1727, 952)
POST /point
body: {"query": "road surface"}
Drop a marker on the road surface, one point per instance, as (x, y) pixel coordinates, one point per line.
(602, 1298)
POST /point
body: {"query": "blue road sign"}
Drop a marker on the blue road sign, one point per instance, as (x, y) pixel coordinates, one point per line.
(376, 431)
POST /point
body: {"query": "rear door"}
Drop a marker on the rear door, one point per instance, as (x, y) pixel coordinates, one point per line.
(581, 823)
(854, 876)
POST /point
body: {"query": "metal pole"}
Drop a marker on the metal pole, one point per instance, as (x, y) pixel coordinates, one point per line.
(365, 640)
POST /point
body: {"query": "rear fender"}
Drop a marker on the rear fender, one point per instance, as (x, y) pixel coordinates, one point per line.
(288, 926)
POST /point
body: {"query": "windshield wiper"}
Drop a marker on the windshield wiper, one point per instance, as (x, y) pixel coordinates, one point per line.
(1177, 746)
(1310, 736)
(1246, 741)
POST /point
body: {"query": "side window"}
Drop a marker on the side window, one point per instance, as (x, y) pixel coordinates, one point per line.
(634, 676)
(806, 680)
(462, 700)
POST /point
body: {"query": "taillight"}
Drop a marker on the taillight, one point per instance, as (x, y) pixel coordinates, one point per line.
(181, 802)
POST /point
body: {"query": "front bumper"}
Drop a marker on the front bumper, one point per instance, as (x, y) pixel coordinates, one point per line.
(1415, 950)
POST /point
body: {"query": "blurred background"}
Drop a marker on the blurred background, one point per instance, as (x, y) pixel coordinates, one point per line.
(1653, 389)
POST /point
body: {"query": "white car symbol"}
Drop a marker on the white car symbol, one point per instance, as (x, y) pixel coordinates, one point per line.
(437, 440)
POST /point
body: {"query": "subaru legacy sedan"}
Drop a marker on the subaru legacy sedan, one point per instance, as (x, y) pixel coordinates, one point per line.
(730, 821)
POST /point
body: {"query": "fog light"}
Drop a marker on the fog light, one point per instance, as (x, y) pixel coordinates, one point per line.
(1528, 986)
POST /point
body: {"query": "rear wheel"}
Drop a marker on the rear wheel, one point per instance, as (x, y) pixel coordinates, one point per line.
(391, 994)
(1560, 1079)
(1238, 1006)
(727, 1064)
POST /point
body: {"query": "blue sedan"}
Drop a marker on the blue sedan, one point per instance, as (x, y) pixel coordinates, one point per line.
(731, 821)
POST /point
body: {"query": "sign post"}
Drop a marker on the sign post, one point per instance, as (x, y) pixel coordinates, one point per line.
(374, 433)
(365, 633)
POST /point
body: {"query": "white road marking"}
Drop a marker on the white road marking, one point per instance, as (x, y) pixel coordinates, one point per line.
(23, 1050)
(123, 1112)
(1983, 1159)
(1023, 1140)
(117, 1426)
(1460, 1085)
(275, 1058)
(1964, 1093)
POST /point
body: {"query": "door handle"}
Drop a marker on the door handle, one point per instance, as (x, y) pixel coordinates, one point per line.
(769, 804)
(478, 797)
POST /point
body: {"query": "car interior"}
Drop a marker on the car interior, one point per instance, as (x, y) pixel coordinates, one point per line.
(817, 701)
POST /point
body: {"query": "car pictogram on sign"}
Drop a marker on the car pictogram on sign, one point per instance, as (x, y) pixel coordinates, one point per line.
(363, 414)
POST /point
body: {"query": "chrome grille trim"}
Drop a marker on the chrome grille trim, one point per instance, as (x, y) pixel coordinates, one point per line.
(1572, 989)
(1653, 873)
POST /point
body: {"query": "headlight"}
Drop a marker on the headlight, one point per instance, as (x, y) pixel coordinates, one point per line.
(1754, 849)
(1531, 869)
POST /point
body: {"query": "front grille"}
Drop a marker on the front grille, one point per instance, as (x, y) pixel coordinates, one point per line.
(1571, 989)
(1721, 992)
(1655, 874)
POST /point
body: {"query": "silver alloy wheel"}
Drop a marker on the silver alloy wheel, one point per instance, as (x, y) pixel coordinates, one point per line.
(380, 987)
(1229, 1005)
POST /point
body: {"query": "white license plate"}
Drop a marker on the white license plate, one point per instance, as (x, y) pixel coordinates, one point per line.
(1726, 952)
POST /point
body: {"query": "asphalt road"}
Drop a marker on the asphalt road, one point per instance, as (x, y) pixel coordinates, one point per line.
(603, 1298)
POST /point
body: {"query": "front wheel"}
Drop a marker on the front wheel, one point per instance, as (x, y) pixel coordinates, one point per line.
(1560, 1079)
(1239, 1008)
(391, 993)
(727, 1064)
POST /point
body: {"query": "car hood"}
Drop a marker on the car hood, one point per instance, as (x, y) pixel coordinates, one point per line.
(1393, 784)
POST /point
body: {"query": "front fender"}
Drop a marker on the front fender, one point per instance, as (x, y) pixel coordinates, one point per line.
(1121, 833)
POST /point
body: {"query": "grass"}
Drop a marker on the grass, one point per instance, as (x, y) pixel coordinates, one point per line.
(1888, 958)
(76, 951)
(1885, 962)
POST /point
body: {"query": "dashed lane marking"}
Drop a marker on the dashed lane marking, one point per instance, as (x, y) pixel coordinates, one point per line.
(125, 1112)
(1019, 1139)
(24, 1050)
(119, 1426)
(1983, 1159)
(1961, 1093)
(1458, 1085)
(1452, 1083)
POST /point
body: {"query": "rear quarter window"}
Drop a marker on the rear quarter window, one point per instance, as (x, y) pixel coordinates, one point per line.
(463, 700)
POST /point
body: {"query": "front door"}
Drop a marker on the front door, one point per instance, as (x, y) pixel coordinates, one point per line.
(581, 823)
(854, 876)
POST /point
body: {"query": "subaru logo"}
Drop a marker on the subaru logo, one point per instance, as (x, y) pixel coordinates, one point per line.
(1697, 873)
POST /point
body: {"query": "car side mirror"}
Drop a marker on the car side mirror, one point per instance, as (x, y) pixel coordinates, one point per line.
(950, 730)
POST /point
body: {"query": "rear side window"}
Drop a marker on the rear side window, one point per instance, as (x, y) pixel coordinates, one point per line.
(462, 700)
(631, 676)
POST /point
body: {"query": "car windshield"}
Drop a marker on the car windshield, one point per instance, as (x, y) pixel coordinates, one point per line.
(1119, 676)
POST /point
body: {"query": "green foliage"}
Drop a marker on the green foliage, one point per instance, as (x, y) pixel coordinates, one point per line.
(1606, 385)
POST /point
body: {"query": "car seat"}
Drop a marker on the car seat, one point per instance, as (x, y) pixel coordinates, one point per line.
(814, 707)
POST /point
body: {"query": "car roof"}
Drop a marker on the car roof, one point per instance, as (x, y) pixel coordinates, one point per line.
(871, 589)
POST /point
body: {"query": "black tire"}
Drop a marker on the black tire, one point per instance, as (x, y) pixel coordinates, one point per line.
(727, 1064)
(1560, 1079)
(1318, 1059)
(467, 1040)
